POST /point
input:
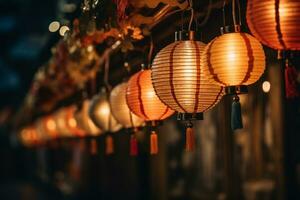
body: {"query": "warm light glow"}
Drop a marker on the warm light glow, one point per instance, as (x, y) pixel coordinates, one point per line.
(266, 86)
(101, 115)
(63, 30)
(143, 101)
(72, 122)
(120, 109)
(182, 86)
(83, 120)
(233, 59)
(51, 124)
(276, 26)
(54, 26)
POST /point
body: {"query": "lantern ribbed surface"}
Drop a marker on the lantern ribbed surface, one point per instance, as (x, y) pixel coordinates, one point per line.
(84, 120)
(275, 23)
(100, 114)
(142, 99)
(120, 109)
(233, 59)
(179, 81)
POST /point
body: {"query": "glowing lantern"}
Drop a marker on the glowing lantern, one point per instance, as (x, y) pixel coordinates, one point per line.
(275, 23)
(120, 109)
(100, 114)
(234, 60)
(122, 113)
(180, 83)
(143, 101)
(47, 126)
(84, 120)
(29, 136)
(67, 124)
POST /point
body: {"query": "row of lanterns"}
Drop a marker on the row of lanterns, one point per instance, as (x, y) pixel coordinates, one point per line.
(187, 76)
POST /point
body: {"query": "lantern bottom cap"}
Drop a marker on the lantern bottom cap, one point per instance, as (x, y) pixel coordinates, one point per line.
(189, 116)
(237, 89)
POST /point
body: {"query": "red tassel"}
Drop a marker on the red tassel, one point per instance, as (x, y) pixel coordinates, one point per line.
(291, 86)
(189, 139)
(93, 147)
(109, 145)
(153, 143)
(133, 146)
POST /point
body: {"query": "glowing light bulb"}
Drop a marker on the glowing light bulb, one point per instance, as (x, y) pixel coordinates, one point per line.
(266, 86)
(54, 26)
(63, 30)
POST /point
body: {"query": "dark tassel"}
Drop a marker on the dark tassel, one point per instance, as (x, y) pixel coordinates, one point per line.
(189, 138)
(236, 114)
(93, 147)
(291, 87)
(109, 142)
(153, 143)
(133, 145)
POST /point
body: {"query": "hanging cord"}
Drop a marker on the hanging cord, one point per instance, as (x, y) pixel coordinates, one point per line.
(233, 13)
(223, 12)
(239, 12)
(192, 14)
(150, 50)
(106, 73)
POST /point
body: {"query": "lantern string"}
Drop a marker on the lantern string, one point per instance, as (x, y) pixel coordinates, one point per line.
(223, 12)
(150, 50)
(233, 13)
(192, 14)
(239, 12)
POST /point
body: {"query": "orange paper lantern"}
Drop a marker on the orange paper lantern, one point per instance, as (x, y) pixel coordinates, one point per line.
(120, 109)
(233, 59)
(142, 99)
(275, 23)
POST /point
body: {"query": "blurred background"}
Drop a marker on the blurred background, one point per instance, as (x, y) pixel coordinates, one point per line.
(261, 161)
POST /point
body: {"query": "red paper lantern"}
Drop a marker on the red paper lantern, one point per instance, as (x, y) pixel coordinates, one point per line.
(275, 23)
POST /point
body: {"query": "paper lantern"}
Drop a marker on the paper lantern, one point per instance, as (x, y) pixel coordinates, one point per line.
(275, 23)
(180, 83)
(66, 123)
(123, 115)
(84, 120)
(234, 60)
(143, 101)
(47, 126)
(29, 136)
(100, 114)
(120, 109)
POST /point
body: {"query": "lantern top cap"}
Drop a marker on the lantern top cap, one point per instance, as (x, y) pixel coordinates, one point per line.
(185, 35)
(230, 29)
